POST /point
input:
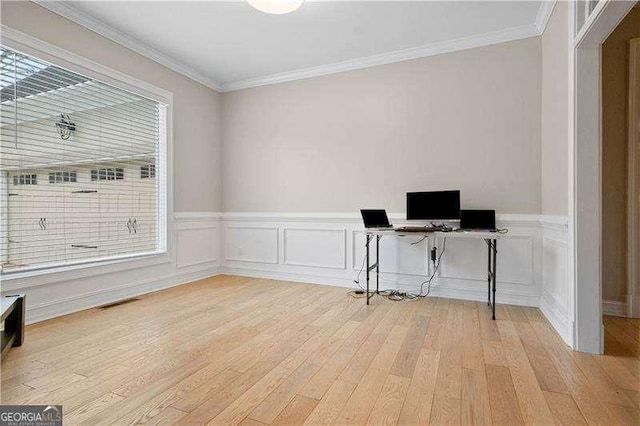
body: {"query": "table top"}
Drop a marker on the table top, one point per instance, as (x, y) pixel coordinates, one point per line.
(485, 235)
(6, 303)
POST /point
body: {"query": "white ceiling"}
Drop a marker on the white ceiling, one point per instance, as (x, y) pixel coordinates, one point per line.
(231, 45)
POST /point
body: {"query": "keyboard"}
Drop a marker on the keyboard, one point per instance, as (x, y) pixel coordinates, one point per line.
(415, 229)
(422, 228)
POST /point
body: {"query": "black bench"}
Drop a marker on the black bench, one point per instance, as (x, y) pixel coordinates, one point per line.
(13, 322)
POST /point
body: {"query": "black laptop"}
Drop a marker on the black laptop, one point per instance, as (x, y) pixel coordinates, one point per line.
(375, 219)
(478, 220)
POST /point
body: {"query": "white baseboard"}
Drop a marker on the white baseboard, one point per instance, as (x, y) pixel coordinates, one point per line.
(559, 321)
(47, 310)
(448, 291)
(287, 276)
(614, 308)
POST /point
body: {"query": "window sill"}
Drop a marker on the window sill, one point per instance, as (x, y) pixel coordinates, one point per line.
(22, 280)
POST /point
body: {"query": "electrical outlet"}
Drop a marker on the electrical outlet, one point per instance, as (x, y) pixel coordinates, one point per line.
(240, 251)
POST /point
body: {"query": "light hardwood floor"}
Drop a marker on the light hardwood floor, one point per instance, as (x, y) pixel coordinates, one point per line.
(249, 351)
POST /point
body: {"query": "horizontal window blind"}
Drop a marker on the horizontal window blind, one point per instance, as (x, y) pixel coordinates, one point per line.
(76, 157)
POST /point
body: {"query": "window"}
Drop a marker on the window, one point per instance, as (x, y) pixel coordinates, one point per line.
(25, 180)
(113, 173)
(93, 141)
(148, 171)
(61, 177)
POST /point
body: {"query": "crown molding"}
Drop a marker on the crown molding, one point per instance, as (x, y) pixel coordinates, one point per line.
(66, 10)
(544, 13)
(495, 37)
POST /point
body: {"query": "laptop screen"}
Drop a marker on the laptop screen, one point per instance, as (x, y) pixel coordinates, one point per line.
(375, 218)
(478, 219)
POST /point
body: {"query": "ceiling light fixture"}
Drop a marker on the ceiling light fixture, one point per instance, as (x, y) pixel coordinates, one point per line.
(276, 7)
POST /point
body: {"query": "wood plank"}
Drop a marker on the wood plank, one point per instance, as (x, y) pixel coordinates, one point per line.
(359, 364)
(437, 325)
(250, 422)
(533, 405)
(475, 408)
(387, 408)
(449, 381)
(296, 412)
(493, 353)
(156, 394)
(488, 327)
(417, 404)
(505, 409)
(94, 407)
(545, 370)
(168, 415)
(619, 373)
(330, 406)
(330, 371)
(472, 351)
(564, 409)
(282, 395)
(445, 410)
(625, 415)
(407, 357)
(533, 314)
(361, 401)
(606, 388)
(517, 314)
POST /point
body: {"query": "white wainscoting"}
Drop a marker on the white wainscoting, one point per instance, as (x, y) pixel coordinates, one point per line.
(197, 240)
(329, 249)
(193, 255)
(557, 296)
(251, 244)
(318, 248)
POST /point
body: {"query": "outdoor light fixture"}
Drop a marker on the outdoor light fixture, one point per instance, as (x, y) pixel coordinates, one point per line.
(276, 7)
(65, 127)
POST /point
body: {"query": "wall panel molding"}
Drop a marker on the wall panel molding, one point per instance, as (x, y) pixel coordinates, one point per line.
(197, 243)
(404, 266)
(251, 244)
(525, 268)
(315, 247)
(555, 301)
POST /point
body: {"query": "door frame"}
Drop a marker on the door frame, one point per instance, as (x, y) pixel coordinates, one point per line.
(585, 192)
(633, 298)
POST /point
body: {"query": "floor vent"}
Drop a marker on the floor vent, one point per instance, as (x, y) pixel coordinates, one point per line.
(121, 302)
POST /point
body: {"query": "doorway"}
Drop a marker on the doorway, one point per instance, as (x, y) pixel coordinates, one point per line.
(620, 117)
(586, 225)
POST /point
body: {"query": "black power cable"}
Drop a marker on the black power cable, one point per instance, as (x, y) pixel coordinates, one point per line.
(399, 295)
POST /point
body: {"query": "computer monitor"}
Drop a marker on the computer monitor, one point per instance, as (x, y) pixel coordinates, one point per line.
(434, 205)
